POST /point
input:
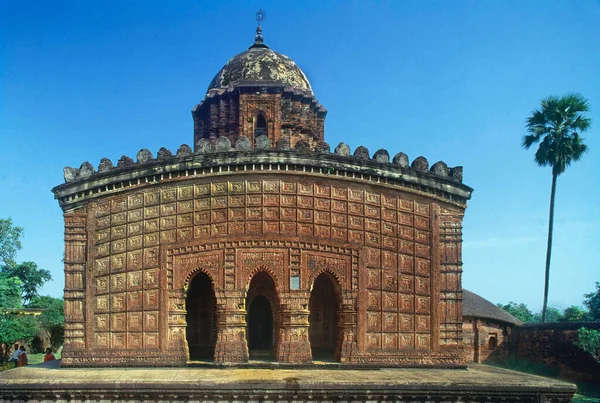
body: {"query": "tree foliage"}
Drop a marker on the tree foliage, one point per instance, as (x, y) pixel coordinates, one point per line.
(574, 314)
(589, 341)
(592, 303)
(53, 318)
(10, 241)
(10, 292)
(552, 315)
(16, 326)
(557, 126)
(519, 311)
(19, 286)
(31, 276)
(522, 312)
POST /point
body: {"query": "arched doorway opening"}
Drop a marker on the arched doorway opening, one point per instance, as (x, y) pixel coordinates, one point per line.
(323, 330)
(261, 125)
(201, 318)
(260, 324)
(492, 342)
(262, 307)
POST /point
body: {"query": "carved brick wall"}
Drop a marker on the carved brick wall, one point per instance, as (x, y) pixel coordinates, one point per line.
(232, 114)
(76, 232)
(395, 257)
(450, 263)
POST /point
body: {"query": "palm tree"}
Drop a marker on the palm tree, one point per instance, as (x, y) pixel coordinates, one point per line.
(556, 126)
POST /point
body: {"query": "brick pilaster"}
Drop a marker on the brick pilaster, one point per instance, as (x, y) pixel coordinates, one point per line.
(294, 346)
(75, 279)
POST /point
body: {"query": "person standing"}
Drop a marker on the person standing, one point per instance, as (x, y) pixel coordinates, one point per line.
(23, 359)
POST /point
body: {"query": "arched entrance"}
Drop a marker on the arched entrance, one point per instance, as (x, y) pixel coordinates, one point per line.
(262, 305)
(323, 330)
(201, 318)
(260, 324)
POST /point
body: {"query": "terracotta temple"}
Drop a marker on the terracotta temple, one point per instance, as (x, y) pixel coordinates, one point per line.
(260, 242)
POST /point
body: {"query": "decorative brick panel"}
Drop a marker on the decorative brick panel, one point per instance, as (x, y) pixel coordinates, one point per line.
(394, 256)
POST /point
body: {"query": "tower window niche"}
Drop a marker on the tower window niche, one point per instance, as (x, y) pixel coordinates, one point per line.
(261, 125)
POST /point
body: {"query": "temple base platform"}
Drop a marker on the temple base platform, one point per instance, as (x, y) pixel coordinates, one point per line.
(478, 383)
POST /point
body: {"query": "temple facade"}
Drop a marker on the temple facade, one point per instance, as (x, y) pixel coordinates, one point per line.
(259, 242)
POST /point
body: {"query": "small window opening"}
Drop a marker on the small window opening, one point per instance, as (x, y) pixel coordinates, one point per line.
(261, 125)
(492, 343)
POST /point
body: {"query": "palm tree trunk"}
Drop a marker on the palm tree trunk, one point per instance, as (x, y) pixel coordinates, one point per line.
(549, 249)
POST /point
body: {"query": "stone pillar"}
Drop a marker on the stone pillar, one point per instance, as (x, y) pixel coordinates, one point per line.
(347, 327)
(75, 274)
(231, 346)
(294, 346)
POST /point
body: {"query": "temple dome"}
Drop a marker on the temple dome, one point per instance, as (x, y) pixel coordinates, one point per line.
(259, 65)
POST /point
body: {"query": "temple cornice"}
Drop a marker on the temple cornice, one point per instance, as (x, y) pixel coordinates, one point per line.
(441, 183)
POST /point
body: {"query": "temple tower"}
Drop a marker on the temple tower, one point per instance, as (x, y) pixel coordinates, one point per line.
(257, 92)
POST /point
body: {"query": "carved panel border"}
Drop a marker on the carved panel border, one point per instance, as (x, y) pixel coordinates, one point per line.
(214, 257)
(176, 275)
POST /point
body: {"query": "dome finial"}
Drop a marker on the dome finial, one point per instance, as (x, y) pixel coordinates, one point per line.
(258, 39)
(260, 15)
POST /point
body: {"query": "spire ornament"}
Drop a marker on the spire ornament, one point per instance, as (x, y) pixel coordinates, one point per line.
(260, 15)
(258, 39)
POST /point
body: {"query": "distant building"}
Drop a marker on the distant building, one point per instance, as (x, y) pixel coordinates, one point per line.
(485, 326)
(262, 242)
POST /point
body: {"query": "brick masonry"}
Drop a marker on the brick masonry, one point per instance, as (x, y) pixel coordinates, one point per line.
(551, 344)
(294, 115)
(483, 337)
(394, 256)
(262, 194)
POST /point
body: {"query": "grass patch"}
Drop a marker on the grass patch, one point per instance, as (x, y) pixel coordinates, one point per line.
(534, 368)
(586, 392)
(577, 398)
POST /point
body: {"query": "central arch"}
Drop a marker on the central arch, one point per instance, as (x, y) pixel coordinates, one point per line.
(201, 318)
(260, 324)
(324, 308)
(262, 309)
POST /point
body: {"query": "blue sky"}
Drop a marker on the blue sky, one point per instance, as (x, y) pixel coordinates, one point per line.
(452, 81)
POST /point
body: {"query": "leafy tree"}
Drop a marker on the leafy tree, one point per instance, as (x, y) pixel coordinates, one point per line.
(53, 318)
(519, 311)
(16, 326)
(10, 292)
(13, 324)
(32, 278)
(552, 315)
(557, 126)
(10, 241)
(589, 341)
(574, 314)
(592, 302)
(19, 283)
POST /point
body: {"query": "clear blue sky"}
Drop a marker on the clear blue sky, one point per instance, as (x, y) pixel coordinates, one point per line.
(449, 80)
